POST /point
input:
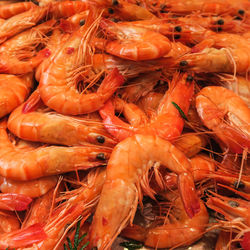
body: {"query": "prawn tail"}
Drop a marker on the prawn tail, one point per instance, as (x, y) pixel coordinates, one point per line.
(14, 202)
(110, 83)
(32, 103)
(188, 194)
(23, 237)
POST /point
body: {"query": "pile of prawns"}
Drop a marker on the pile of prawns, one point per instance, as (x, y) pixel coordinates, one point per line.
(111, 108)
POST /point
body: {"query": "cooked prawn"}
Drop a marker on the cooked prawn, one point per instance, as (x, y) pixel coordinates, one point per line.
(18, 54)
(134, 43)
(13, 91)
(12, 9)
(43, 125)
(57, 83)
(20, 22)
(178, 230)
(122, 188)
(222, 111)
(23, 164)
(8, 222)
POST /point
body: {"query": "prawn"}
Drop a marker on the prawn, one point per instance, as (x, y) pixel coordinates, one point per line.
(27, 164)
(222, 111)
(57, 83)
(178, 229)
(32, 188)
(134, 43)
(12, 9)
(168, 122)
(121, 191)
(18, 54)
(78, 202)
(20, 22)
(41, 125)
(13, 91)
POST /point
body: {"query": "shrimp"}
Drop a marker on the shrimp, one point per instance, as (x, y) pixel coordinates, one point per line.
(79, 202)
(14, 202)
(18, 55)
(33, 188)
(57, 83)
(12, 9)
(168, 122)
(134, 43)
(14, 90)
(222, 111)
(121, 191)
(45, 126)
(68, 8)
(22, 237)
(179, 230)
(8, 222)
(20, 22)
(27, 164)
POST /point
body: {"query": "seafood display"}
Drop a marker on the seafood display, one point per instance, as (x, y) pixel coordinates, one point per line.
(124, 119)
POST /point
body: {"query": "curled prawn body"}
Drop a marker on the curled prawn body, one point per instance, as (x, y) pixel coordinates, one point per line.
(222, 111)
(13, 91)
(121, 191)
(20, 22)
(58, 83)
(18, 54)
(179, 230)
(49, 127)
(134, 43)
(23, 164)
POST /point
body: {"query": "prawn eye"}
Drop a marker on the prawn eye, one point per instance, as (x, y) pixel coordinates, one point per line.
(233, 203)
(100, 139)
(115, 2)
(219, 29)
(177, 28)
(220, 22)
(189, 78)
(101, 156)
(110, 11)
(82, 22)
(177, 36)
(239, 185)
(183, 63)
(241, 12)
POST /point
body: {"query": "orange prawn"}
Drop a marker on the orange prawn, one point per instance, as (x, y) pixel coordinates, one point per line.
(122, 188)
(8, 222)
(14, 90)
(12, 9)
(222, 111)
(20, 22)
(27, 164)
(57, 83)
(42, 125)
(168, 122)
(178, 230)
(134, 43)
(18, 54)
